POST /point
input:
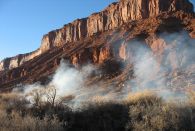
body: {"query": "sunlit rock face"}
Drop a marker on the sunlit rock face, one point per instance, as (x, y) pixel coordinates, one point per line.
(123, 51)
(110, 18)
(18, 60)
(113, 16)
(157, 44)
(192, 34)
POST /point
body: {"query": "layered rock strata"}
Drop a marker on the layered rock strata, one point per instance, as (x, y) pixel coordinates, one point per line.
(110, 18)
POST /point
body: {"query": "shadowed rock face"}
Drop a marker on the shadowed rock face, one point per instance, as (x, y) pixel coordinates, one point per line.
(112, 17)
(101, 37)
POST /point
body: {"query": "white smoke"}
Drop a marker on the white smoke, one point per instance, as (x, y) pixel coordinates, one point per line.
(67, 80)
(164, 76)
(168, 74)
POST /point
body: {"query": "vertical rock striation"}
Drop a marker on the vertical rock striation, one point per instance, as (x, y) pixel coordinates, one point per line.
(112, 17)
(18, 60)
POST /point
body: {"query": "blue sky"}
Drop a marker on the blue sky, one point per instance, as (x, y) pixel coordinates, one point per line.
(24, 22)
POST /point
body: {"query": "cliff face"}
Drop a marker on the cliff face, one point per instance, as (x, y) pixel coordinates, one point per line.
(112, 17)
(118, 44)
(18, 60)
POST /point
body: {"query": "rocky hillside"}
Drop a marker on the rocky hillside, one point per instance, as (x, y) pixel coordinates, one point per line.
(112, 17)
(102, 37)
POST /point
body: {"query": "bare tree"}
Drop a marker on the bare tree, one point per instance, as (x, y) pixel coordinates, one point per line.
(48, 95)
(51, 95)
(36, 97)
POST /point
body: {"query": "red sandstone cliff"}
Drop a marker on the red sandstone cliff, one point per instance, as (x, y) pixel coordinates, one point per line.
(102, 38)
(114, 16)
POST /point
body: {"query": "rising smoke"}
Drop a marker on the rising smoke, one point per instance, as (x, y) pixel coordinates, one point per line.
(166, 74)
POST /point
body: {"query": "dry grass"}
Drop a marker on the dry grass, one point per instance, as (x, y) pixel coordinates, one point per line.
(191, 98)
(15, 122)
(150, 113)
(13, 117)
(139, 96)
(140, 111)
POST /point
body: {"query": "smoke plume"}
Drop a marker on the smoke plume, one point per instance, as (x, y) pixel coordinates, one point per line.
(169, 73)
